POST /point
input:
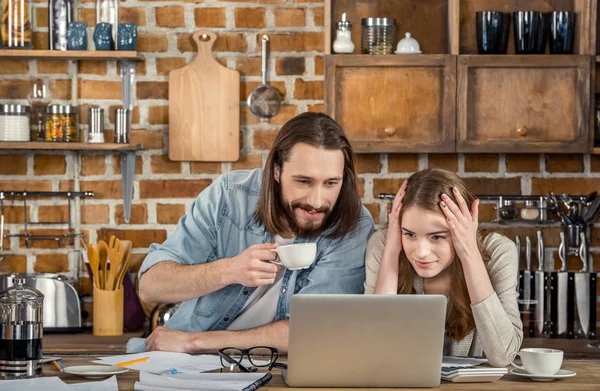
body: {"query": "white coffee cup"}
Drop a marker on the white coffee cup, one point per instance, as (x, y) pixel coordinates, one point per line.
(539, 361)
(296, 256)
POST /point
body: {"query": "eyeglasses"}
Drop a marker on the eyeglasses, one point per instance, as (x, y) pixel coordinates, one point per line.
(259, 356)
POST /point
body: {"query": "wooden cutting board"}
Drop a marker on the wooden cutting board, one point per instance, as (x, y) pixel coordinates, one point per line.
(204, 108)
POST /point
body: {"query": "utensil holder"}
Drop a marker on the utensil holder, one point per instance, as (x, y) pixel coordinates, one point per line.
(108, 312)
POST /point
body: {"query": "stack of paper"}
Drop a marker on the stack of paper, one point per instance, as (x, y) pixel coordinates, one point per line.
(56, 384)
(164, 362)
(202, 381)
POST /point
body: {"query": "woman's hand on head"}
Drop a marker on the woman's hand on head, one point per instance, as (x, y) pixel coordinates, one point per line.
(463, 225)
(393, 240)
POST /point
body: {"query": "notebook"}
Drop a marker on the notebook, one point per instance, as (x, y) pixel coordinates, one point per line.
(202, 381)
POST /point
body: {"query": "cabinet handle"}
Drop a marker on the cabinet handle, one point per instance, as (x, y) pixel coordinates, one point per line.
(390, 131)
(522, 131)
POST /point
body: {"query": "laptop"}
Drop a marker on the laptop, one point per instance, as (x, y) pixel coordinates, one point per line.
(365, 340)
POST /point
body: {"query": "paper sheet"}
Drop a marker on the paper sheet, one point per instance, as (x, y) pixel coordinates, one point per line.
(462, 362)
(163, 362)
(199, 381)
(109, 384)
(37, 383)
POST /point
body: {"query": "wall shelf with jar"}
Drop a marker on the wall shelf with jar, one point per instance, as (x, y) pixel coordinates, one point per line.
(79, 55)
(540, 77)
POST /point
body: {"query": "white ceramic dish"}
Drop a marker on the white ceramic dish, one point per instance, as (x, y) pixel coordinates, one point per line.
(558, 375)
(397, 52)
(94, 371)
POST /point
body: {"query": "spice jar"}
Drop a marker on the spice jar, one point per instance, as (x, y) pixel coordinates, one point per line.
(508, 210)
(378, 35)
(14, 122)
(343, 40)
(61, 123)
(15, 24)
(530, 211)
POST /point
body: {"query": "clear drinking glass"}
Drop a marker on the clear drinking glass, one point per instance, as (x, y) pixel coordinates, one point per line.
(39, 97)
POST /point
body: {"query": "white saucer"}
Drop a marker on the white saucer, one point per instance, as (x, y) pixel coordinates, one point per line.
(397, 52)
(562, 373)
(94, 371)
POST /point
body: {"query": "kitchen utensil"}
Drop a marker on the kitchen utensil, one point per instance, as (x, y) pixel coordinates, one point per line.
(527, 274)
(1, 222)
(128, 170)
(518, 244)
(103, 270)
(95, 125)
(94, 258)
(204, 107)
(540, 291)
(94, 371)
(122, 125)
(264, 101)
(126, 247)
(115, 254)
(562, 292)
(582, 287)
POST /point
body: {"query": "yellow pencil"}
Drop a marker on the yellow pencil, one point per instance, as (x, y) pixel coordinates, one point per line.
(126, 363)
(58, 365)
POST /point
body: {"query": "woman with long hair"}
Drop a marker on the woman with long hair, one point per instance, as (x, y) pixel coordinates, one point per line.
(432, 245)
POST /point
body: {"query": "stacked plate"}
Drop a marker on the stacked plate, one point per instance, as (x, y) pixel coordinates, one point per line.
(14, 122)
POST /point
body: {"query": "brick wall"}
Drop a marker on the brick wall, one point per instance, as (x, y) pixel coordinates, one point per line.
(164, 189)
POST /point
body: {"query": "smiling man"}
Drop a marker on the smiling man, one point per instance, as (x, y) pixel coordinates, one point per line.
(217, 261)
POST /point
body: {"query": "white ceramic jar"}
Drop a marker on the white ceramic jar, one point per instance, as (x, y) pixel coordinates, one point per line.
(14, 122)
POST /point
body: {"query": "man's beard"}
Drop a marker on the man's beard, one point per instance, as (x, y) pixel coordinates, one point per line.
(310, 229)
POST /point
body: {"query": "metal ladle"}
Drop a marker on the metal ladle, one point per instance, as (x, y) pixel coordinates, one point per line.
(264, 101)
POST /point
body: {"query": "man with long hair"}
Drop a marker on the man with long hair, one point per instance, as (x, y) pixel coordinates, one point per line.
(217, 261)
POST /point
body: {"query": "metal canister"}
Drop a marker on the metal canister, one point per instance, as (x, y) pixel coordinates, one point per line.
(378, 35)
(122, 126)
(61, 123)
(95, 125)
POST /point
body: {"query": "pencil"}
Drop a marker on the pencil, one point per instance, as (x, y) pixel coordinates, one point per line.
(126, 363)
(58, 365)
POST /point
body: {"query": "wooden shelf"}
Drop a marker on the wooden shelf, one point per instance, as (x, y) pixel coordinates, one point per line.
(596, 151)
(81, 55)
(58, 146)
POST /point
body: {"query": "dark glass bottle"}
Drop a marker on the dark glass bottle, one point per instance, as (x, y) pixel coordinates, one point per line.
(60, 14)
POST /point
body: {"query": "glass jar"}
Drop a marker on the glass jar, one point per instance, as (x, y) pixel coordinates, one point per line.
(378, 35)
(343, 38)
(21, 328)
(16, 24)
(530, 211)
(61, 123)
(14, 122)
(508, 210)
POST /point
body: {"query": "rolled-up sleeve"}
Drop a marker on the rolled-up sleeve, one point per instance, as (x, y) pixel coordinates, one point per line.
(195, 236)
(342, 267)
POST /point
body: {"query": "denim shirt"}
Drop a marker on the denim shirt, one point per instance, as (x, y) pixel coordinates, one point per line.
(220, 224)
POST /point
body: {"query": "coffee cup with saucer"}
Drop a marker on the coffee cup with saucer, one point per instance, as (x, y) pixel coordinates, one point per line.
(540, 364)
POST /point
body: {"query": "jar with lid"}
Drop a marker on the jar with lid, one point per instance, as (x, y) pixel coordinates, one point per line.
(343, 39)
(14, 122)
(61, 123)
(530, 211)
(378, 35)
(16, 24)
(508, 210)
(21, 329)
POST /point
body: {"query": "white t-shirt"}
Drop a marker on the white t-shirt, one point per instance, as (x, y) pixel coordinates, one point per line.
(261, 307)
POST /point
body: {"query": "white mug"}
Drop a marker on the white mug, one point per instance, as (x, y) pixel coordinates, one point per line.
(296, 256)
(539, 361)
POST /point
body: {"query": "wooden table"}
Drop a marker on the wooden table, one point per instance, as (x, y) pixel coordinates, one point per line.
(587, 378)
(86, 343)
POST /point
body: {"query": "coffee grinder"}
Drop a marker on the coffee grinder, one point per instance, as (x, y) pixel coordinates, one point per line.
(20, 331)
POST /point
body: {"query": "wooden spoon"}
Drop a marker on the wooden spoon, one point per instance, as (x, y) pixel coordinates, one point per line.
(103, 253)
(126, 247)
(115, 253)
(94, 259)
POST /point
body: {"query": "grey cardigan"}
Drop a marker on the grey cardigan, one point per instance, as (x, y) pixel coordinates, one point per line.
(498, 328)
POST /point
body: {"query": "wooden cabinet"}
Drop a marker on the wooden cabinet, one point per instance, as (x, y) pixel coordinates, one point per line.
(523, 104)
(498, 103)
(394, 104)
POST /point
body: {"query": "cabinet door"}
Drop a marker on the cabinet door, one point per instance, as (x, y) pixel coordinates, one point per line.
(396, 103)
(524, 104)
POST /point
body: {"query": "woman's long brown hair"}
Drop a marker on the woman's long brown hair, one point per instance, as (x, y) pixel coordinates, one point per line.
(424, 190)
